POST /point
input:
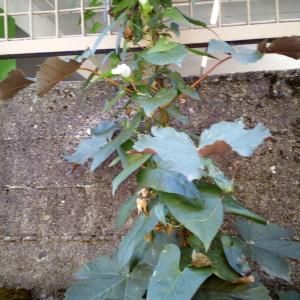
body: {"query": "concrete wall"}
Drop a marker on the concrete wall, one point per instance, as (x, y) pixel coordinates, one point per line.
(53, 220)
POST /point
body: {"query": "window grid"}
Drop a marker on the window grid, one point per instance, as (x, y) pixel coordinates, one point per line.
(188, 6)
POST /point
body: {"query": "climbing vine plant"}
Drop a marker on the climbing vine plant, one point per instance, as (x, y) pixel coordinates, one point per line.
(176, 249)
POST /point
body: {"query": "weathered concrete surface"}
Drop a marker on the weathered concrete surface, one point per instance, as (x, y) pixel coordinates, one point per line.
(53, 220)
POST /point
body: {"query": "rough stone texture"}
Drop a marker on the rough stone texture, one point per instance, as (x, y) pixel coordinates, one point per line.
(53, 220)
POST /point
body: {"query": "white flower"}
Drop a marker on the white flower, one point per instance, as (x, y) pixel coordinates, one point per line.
(143, 2)
(122, 70)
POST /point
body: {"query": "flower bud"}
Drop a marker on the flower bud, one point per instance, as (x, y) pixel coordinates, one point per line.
(122, 70)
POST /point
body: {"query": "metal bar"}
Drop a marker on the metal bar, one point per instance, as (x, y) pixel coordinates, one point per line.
(220, 14)
(248, 12)
(56, 19)
(5, 20)
(82, 17)
(277, 11)
(189, 36)
(30, 20)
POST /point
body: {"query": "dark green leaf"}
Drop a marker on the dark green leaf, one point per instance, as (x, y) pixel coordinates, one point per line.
(220, 266)
(127, 171)
(150, 103)
(288, 295)
(174, 55)
(243, 55)
(176, 15)
(203, 222)
(218, 176)
(175, 112)
(234, 255)
(217, 289)
(265, 244)
(223, 136)
(162, 45)
(167, 181)
(88, 148)
(125, 210)
(175, 149)
(232, 206)
(169, 283)
(102, 279)
(134, 242)
(104, 152)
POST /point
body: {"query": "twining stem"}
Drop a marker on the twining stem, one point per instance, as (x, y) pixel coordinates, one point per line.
(105, 78)
(201, 78)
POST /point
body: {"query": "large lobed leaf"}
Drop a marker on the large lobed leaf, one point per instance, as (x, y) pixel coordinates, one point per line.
(175, 149)
(288, 46)
(243, 55)
(52, 71)
(224, 136)
(169, 283)
(204, 222)
(15, 82)
(268, 245)
(102, 279)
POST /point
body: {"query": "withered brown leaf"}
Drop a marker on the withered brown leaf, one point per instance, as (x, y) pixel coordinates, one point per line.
(52, 71)
(200, 260)
(245, 280)
(288, 46)
(214, 149)
(13, 83)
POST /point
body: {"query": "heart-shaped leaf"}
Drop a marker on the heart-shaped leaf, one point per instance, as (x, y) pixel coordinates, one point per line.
(175, 149)
(14, 82)
(52, 71)
(151, 103)
(204, 222)
(243, 55)
(224, 136)
(288, 46)
(169, 283)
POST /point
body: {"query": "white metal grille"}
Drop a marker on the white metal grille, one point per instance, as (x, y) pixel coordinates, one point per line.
(58, 26)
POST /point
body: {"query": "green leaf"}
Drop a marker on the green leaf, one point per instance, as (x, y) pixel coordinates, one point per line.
(175, 112)
(162, 45)
(215, 289)
(220, 266)
(175, 149)
(203, 222)
(176, 15)
(234, 255)
(288, 295)
(232, 206)
(125, 210)
(222, 135)
(169, 283)
(109, 104)
(243, 55)
(129, 170)
(200, 53)
(88, 148)
(161, 211)
(102, 279)
(266, 245)
(218, 176)
(133, 243)
(104, 152)
(174, 55)
(150, 103)
(167, 181)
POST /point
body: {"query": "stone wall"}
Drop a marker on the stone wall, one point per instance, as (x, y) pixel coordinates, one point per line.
(53, 219)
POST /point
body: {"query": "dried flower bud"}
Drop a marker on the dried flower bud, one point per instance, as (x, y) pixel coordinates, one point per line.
(200, 260)
(142, 206)
(245, 280)
(144, 193)
(128, 33)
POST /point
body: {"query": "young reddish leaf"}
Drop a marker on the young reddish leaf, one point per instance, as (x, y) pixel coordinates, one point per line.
(288, 46)
(52, 71)
(15, 82)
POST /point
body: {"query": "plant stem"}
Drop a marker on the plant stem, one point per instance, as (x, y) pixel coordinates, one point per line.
(201, 78)
(105, 78)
